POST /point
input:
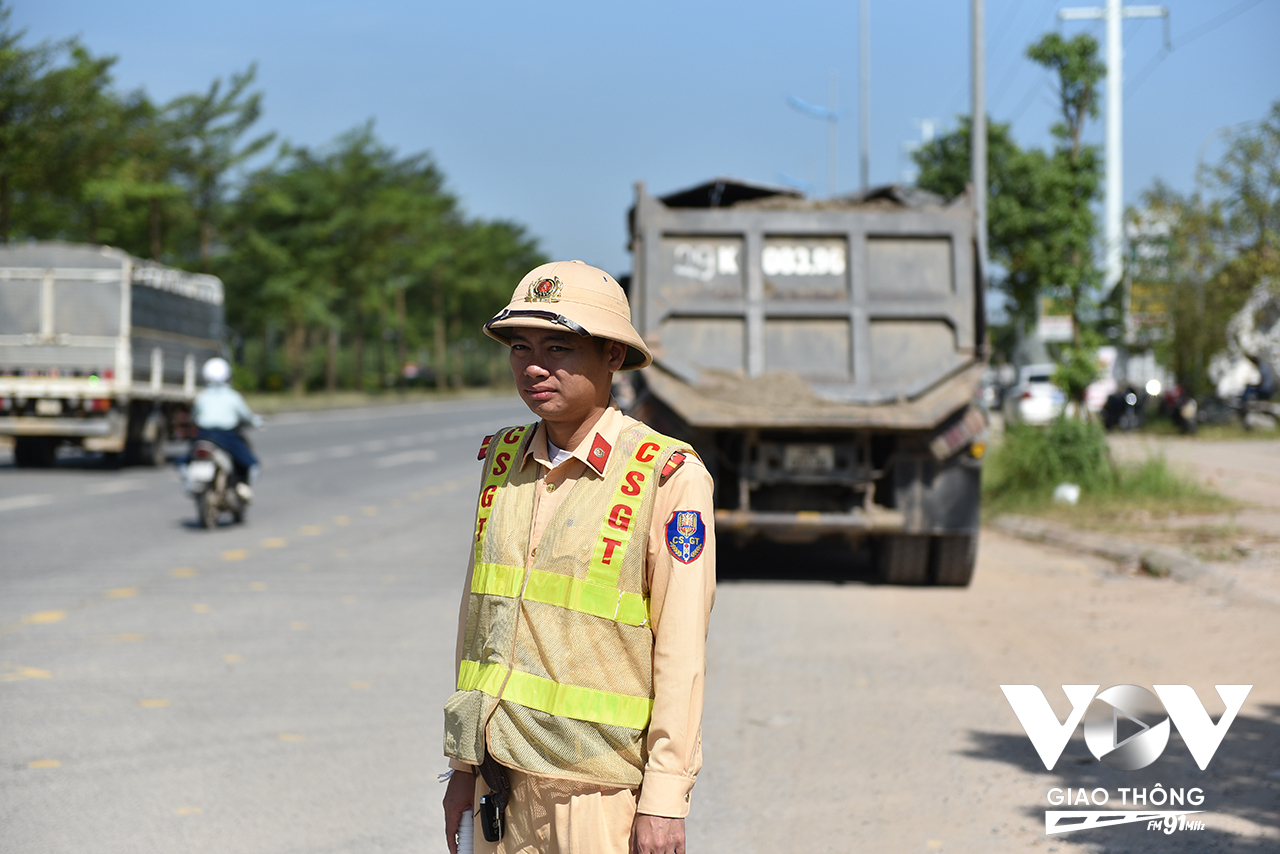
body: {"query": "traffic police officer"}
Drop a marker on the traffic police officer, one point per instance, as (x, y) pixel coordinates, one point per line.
(582, 631)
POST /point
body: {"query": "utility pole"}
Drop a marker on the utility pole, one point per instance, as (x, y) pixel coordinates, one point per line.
(1113, 13)
(864, 95)
(978, 136)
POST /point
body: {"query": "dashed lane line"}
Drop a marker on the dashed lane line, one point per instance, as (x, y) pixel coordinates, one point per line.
(19, 673)
(115, 487)
(423, 455)
(24, 502)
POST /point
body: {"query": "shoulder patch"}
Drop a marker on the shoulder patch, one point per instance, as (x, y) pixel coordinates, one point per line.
(484, 447)
(677, 460)
(686, 535)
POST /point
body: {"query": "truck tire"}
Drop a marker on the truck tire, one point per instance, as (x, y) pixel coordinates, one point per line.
(902, 559)
(953, 558)
(36, 452)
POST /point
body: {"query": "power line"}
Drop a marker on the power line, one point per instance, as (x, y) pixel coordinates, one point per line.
(1029, 97)
(1193, 34)
(1002, 87)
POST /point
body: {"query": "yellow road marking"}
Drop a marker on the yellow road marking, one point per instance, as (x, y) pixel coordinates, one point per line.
(388, 579)
(348, 600)
(257, 585)
(370, 511)
(201, 608)
(934, 844)
(297, 625)
(342, 520)
(361, 686)
(188, 811)
(122, 593)
(292, 736)
(153, 703)
(19, 673)
(232, 658)
(311, 530)
(339, 552)
(235, 554)
(183, 572)
(44, 763)
(304, 567)
(43, 617)
(127, 637)
(274, 543)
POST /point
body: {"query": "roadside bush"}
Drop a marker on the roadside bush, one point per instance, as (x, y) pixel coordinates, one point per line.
(1024, 468)
(1033, 460)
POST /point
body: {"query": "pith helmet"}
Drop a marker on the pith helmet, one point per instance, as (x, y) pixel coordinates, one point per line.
(574, 296)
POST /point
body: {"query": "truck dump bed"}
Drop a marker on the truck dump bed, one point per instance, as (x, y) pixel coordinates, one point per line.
(767, 310)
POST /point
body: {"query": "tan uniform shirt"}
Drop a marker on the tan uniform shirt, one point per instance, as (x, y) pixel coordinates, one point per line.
(680, 594)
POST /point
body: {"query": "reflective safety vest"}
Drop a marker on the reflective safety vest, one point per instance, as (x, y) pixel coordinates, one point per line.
(557, 667)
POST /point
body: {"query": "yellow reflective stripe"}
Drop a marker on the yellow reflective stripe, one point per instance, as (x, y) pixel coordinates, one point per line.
(474, 676)
(611, 547)
(582, 704)
(565, 701)
(587, 597)
(563, 591)
(494, 579)
(508, 443)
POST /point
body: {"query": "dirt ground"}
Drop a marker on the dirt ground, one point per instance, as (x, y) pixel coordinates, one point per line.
(846, 716)
(1242, 545)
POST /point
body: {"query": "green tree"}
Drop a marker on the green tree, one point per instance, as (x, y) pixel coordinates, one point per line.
(209, 129)
(1223, 241)
(52, 97)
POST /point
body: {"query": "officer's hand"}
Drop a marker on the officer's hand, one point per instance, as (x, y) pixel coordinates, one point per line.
(652, 834)
(457, 800)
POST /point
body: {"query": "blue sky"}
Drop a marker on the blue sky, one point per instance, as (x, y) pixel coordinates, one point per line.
(547, 113)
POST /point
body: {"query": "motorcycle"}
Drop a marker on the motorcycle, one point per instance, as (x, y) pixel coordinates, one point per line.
(213, 480)
(1181, 408)
(1124, 410)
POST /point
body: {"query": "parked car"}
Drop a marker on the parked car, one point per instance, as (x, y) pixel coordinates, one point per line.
(1034, 399)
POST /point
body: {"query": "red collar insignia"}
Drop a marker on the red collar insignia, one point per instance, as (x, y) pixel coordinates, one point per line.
(599, 454)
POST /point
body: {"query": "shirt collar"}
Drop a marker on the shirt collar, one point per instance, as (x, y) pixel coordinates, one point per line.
(593, 451)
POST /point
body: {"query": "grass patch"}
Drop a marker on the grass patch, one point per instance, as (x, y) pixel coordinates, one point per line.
(1022, 471)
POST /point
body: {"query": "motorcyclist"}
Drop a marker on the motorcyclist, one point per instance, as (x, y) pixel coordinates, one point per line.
(219, 412)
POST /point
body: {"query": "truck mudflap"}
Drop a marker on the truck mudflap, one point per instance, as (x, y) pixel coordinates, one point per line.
(938, 497)
(809, 525)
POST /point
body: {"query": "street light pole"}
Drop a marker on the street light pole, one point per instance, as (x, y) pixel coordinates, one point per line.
(864, 95)
(978, 136)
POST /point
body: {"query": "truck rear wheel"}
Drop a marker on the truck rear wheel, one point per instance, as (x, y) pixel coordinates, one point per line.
(34, 451)
(953, 558)
(902, 559)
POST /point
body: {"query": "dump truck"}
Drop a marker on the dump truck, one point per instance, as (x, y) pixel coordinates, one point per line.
(100, 349)
(824, 357)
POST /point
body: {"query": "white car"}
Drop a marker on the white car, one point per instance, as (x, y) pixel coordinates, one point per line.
(1034, 399)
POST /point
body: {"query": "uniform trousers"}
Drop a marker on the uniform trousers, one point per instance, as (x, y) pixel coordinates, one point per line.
(547, 816)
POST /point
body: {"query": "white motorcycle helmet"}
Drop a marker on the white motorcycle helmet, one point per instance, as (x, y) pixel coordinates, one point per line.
(217, 370)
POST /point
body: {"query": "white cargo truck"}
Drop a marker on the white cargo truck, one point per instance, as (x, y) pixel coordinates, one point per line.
(100, 349)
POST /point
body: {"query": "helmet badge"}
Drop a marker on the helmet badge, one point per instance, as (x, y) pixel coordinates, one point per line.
(544, 290)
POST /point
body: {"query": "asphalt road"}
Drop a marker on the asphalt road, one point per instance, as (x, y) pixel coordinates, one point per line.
(276, 687)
